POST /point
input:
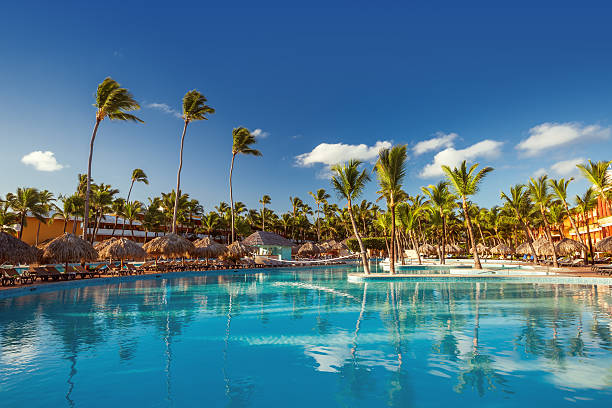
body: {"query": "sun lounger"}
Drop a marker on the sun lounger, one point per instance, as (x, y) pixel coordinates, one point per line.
(9, 276)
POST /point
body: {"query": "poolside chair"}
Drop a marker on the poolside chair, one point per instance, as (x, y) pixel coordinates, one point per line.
(8, 277)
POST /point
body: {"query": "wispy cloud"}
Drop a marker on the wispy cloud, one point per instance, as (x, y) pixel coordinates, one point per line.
(329, 154)
(441, 141)
(42, 161)
(567, 167)
(550, 135)
(165, 108)
(452, 157)
(260, 134)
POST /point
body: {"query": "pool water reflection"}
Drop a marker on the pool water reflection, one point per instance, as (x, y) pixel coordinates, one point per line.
(307, 338)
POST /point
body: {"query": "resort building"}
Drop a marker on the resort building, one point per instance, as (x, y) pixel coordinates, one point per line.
(599, 222)
(270, 245)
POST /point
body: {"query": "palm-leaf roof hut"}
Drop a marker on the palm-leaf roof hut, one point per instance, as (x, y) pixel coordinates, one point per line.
(98, 246)
(208, 248)
(239, 249)
(15, 251)
(269, 243)
(428, 249)
(170, 246)
(605, 245)
(69, 248)
(482, 248)
(452, 249)
(524, 249)
(568, 247)
(308, 249)
(502, 249)
(544, 249)
(122, 248)
(539, 242)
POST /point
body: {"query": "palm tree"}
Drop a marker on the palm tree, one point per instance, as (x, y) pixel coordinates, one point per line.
(131, 212)
(26, 200)
(194, 108)
(442, 201)
(296, 204)
(520, 204)
(559, 188)
(349, 183)
(210, 222)
(466, 183)
(264, 200)
(117, 208)
(585, 205)
(599, 175)
(242, 142)
(46, 199)
(8, 219)
(113, 102)
(408, 217)
(391, 170)
(102, 203)
(319, 197)
(138, 175)
(538, 190)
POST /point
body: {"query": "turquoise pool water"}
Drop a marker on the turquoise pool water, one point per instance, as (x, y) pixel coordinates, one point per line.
(307, 338)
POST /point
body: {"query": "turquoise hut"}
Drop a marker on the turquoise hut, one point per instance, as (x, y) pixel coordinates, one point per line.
(270, 244)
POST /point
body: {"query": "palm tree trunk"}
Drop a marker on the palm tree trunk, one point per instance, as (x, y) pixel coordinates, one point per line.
(132, 228)
(443, 252)
(65, 224)
(572, 221)
(415, 246)
(37, 233)
(88, 190)
(468, 221)
(529, 240)
(318, 226)
(263, 217)
(21, 223)
(588, 230)
(364, 256)
(232, 195)
(392, 254)
(178, 179)
(549, 236)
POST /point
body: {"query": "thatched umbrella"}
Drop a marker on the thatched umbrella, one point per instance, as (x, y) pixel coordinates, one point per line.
(524, 249)
(502, 249)
(308, 249)
(170, 246)
(482, 249)
(207, 248)
(98, 246)
(605, 245)
(325, 246)
(339, 246)
(568, 246)
(16, 251)
(69, 248)
(452, 249)
(428, 249)
(544, 249)
(238, 249)
(122, 248)
(539, 242)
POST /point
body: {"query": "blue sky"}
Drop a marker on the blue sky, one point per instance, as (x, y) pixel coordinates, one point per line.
(524, 89)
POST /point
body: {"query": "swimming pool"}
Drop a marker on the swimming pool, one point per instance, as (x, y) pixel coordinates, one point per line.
(307, 338)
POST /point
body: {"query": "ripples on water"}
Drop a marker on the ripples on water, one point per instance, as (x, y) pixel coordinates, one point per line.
(307, 338)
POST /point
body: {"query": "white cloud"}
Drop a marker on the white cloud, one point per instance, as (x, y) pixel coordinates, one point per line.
(539, 172)
(42, 161)
(333, 153)
(550, 135)
(567, 167)
(441, 140)
(166, 109)
(260, 134)
(452, 157)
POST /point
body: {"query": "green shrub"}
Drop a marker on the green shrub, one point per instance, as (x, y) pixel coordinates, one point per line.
(375, 243)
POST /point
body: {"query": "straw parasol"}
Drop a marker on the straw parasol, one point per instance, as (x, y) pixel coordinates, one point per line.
(605, 245)
(568, 246)
(523, 249)
(428, 249)
(169, 246)
(339, 246)
(502, 249)
(98, 246)
(238, 248)
(69, 248)
(16, 251)
(452, 249)
(207, 248)
(544, 249)
(539, 242)
(325, 246)
(482, 248)
(308, 249)
(122, 248)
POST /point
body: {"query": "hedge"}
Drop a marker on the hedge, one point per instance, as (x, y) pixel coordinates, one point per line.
(369, 243)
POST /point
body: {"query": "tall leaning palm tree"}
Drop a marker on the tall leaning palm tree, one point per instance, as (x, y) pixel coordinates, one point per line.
(242, 142)
(194, 109)
(391, 169)
(599, 175)
(538, 190)
(115, 103)
(349, 183)
(264, 201)
(138, 175)
(559, 188)
(319, 197)
(466, 182)
(585, 204)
